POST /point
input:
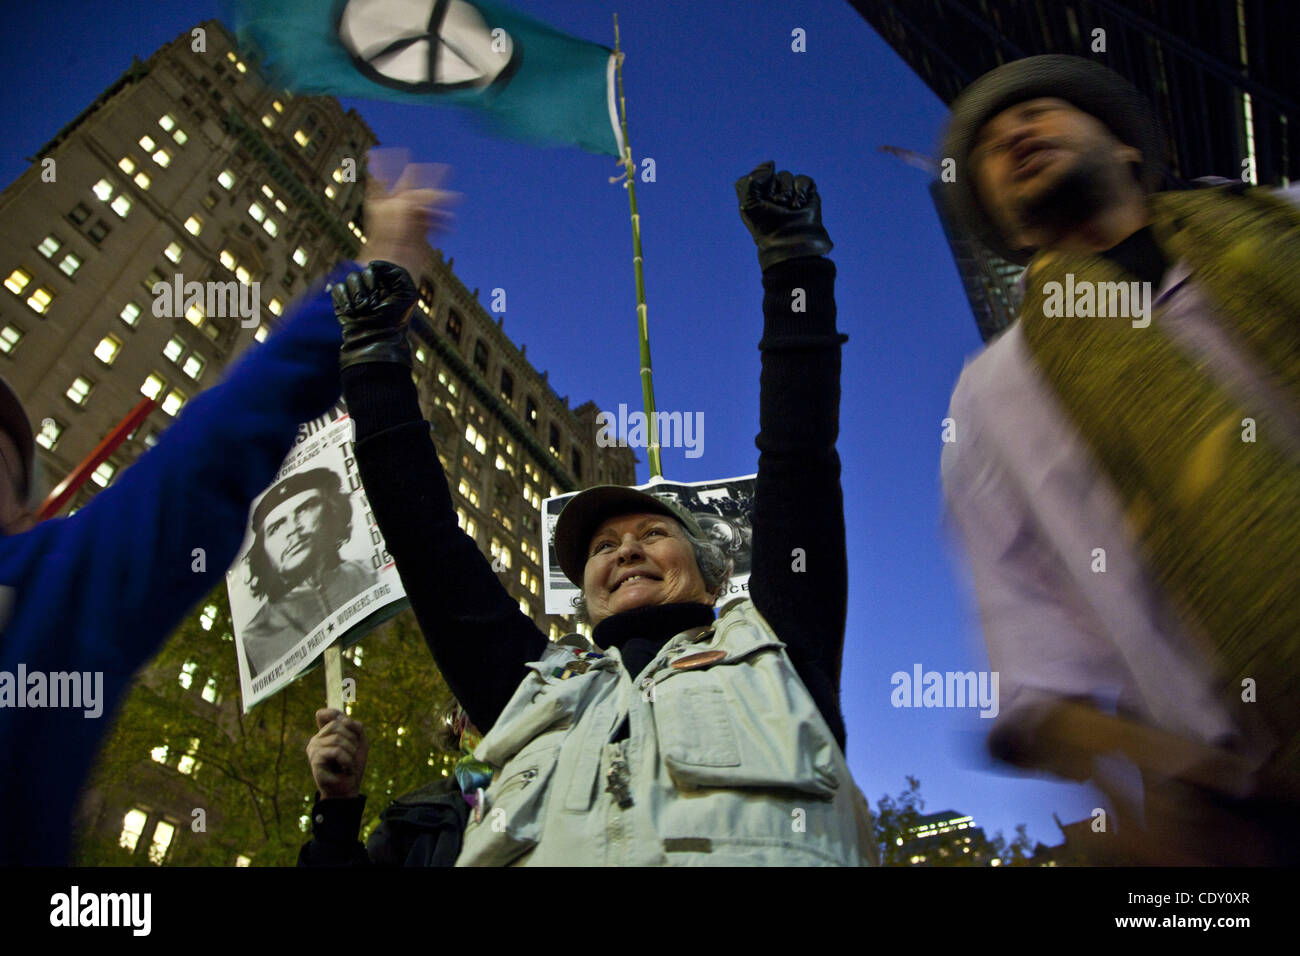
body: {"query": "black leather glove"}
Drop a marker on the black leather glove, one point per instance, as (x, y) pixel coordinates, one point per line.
(373, 306)
(783, 213)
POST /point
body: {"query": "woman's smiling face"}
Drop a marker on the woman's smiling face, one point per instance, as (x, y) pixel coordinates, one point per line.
(635, 560)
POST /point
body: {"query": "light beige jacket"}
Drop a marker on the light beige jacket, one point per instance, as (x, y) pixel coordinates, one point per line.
(727, 762)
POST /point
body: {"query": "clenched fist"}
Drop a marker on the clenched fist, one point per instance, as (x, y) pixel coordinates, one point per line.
(783, 213)
(373, 306)
(337, 754)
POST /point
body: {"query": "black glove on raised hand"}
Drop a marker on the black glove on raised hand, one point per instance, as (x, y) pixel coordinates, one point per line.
(373, 307)
(783, 213)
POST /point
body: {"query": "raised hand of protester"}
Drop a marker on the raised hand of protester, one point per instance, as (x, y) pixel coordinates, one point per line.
(373, 305)
(397, 223)
(783, 213)
(337, 754)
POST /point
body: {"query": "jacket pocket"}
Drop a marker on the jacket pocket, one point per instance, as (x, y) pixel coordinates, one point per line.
(744, 722)
(513, 810)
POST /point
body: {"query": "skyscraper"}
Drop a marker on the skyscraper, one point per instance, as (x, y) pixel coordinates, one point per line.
(190, 167)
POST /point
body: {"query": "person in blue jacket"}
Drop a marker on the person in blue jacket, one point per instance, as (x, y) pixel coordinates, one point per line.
(87, 600)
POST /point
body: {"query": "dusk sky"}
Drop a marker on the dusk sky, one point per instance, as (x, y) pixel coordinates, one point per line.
(713, 89)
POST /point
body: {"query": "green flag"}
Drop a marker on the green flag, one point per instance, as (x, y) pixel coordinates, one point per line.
(531, 81)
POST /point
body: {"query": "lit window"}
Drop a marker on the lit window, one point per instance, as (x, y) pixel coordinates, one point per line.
(173, 402)
(9, 337)
(180, 137)
(193, 367)
(226, 179)
(162, 839)
(39, 301)
(267, 191)
(271, 228)
(227, 258)
(210, 690)
(330, 192)
(142, 180)
(187, 674)
(79, 390)
(275, 306)
(195, 315)
(257, 212)
(102, 190)
(186, 765)
(147, 143)
(194, 225)
(49, 246)
(153, 386)
(243, 275)
(49, 434)
(268, 120)
(162, 158)
(126, 164)
(121, 205)
(278, 106)
(132, 826)
(107, 349)
(17, 281)
(130, 314)
(532, 583)
(260, 334)
(70, 264)
(523, 606)
(300, 256)
(242, 860)
(174, 350)
(103, 474)
(174, 252)
(167, 122)
(159, 754)
(300, 138)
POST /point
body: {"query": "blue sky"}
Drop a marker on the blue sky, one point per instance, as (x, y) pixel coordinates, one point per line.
(713, 89)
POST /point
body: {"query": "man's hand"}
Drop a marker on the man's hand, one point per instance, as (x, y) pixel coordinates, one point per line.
(337, 754)
(373, 307)
(784, 215)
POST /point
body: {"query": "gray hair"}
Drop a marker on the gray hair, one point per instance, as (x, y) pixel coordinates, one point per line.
(714, 567)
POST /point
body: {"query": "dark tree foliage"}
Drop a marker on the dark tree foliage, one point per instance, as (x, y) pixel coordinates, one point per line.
(246, 787)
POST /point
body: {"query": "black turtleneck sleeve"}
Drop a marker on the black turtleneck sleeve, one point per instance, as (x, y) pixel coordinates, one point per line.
(474, 628)
(799, 579)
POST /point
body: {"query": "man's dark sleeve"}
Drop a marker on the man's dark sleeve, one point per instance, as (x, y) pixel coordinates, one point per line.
(799, 579)
(335, 825)
(479, 637)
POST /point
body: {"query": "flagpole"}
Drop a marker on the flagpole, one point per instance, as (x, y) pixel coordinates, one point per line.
(643, 332)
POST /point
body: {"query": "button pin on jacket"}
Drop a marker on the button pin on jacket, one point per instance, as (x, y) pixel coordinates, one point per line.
(698, 660)
(616, 777)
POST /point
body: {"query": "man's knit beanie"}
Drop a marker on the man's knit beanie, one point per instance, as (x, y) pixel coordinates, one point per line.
(1093, 88)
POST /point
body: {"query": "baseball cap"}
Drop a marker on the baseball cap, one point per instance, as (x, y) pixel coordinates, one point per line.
(584, 514)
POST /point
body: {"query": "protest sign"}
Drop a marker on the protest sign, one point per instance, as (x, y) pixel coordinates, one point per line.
(313, 569)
